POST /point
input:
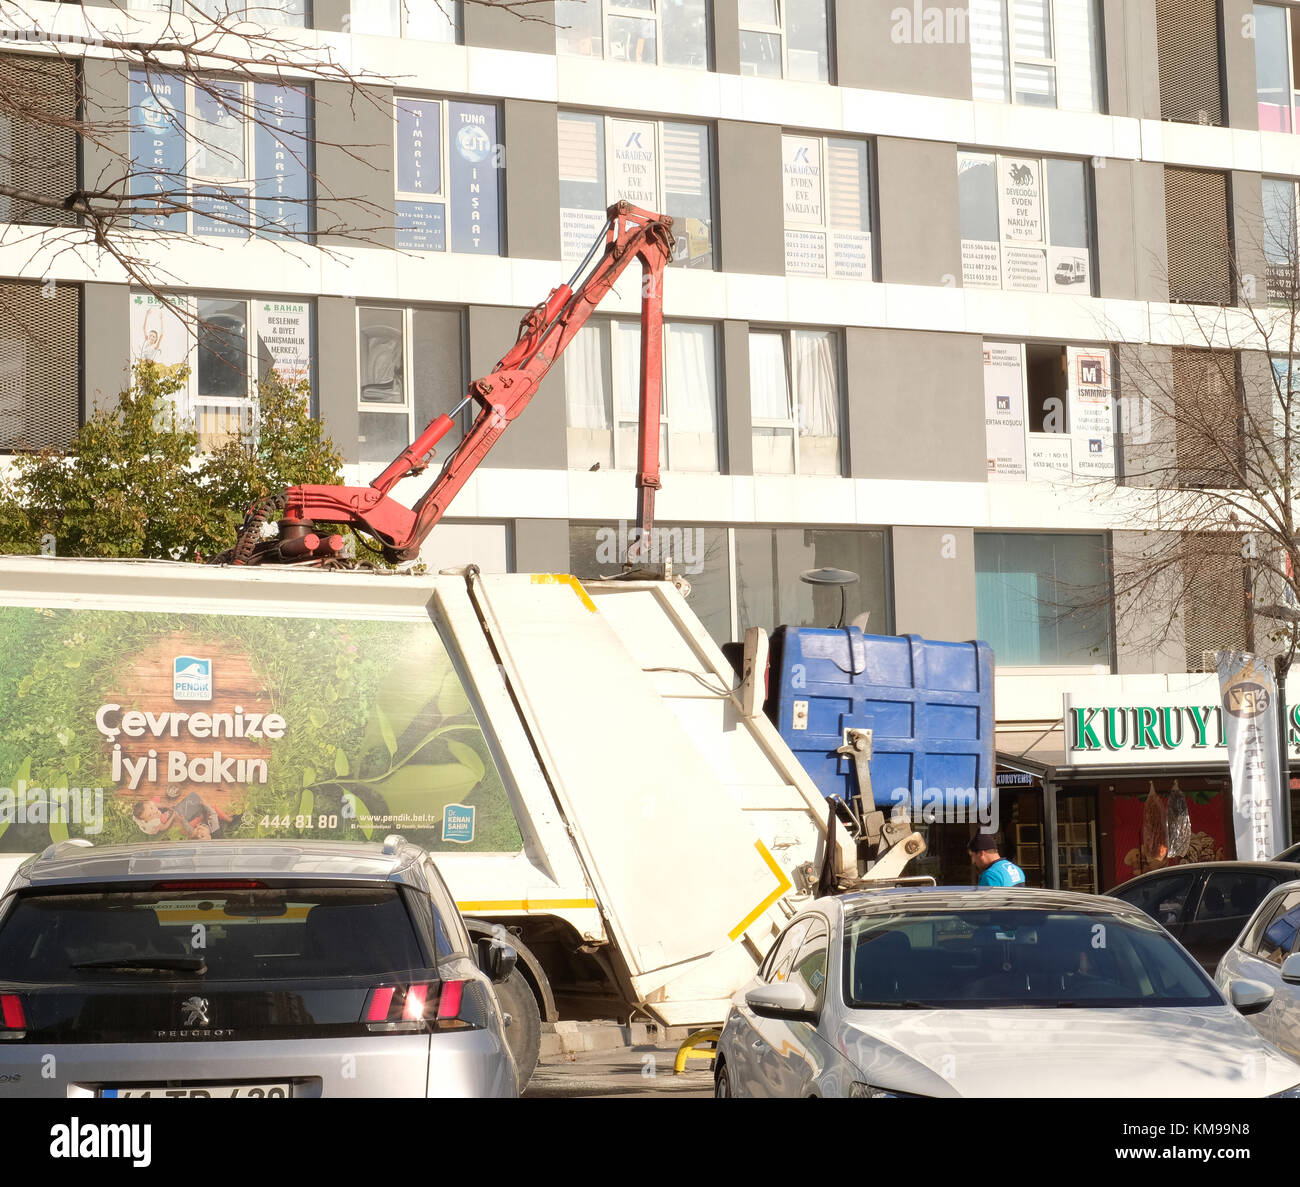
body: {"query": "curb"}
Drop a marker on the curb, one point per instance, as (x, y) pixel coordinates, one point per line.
(569, 1038)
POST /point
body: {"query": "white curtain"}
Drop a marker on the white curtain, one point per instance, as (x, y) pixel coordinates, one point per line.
(816, 365)
(692, 388)
(627, 372)
(586, 370)
(988, 50)
(379, 18)
(1076, 55)
(769, 383)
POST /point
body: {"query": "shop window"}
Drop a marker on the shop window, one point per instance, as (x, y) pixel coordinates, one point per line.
(785, 39)
(38, 152)
(1049, 412)
(227, 344)
(699, 553)
(1187, 44)
(1026, 224)
(1042, 599)
(397, 398)
(657, 165)
(292, 13)
(447, 169)
(40, 386)
(770, 561)
(1199, 237)
(220, 158)
(1040, 53)
(669, 32)
(827, 196)
(602, 379)
(796, 401)
(1277, 51)
(419, 20)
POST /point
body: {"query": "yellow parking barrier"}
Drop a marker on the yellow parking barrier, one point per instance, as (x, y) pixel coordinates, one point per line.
(687, 1049)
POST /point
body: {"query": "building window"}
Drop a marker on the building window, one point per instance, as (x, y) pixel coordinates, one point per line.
(1049, 412)
(40, 378)
(1199, 237)
(785, 39)
(749, 576)
(1277, 49)
(827, 207)
(657, 165)
(796, 399)
(1187, 44)
(226, 344)
(1040, 53)
(291, 13)
(447, 168)
(1280, 244)
(602, 370)
(670, 32)
(419, 20)
(396, 398)
(1207, 419)
(769, 593)
(38, 151)
(1026, 224)
(220, 158)
(1041, 599)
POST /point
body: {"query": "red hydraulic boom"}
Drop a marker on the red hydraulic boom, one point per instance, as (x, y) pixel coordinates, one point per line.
(502, 395)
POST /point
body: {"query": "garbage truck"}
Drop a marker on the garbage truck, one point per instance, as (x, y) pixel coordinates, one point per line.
(600, 787)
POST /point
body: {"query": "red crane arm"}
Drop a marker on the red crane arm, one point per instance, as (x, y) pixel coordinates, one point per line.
(502, 395)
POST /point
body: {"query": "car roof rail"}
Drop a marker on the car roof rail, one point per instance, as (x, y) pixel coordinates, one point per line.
(392, 843)
(59, 847)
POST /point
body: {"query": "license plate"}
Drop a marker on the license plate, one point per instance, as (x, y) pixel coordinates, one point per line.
(204, 1092)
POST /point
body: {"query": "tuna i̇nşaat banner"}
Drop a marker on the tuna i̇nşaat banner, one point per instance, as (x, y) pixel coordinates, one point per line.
(127, 726)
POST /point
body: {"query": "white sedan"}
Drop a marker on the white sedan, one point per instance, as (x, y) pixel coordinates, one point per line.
(939, 993)
(1266, 952)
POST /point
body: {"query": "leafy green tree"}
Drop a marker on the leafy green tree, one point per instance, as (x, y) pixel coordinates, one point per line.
(133, 483)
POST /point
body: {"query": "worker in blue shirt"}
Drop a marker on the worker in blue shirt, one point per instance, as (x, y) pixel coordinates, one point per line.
(994, 869)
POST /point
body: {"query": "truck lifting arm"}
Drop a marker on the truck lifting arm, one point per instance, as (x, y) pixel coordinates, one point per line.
(502, 395)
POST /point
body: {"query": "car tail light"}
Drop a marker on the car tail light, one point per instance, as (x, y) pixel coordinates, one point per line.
(13, 1020)
(437, 1005)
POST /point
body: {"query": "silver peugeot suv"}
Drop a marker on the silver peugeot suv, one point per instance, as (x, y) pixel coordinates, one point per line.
(245, 969)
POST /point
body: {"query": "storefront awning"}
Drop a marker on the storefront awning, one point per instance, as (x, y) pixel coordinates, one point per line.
(1041, 751)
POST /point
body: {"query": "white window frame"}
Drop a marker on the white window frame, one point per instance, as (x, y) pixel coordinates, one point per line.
(1013, 59)
(791, 423)
(824, 228)
(193, 139)
(779, 30)
(615, 9)
(1283, 299)
(607, 157)
(236, 11)
(406, 408)
(617, 367)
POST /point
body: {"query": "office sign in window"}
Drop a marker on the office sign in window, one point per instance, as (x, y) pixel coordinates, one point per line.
(474, 174)
(827, 213)
(158, 146)
(285, 332)
(1004, 411)
(635, 167)
(1091, 412)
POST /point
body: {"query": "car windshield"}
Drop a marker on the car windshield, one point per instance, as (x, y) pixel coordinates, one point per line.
(1006, 957)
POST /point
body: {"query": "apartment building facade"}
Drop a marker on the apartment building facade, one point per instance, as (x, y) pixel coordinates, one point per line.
(914, 243)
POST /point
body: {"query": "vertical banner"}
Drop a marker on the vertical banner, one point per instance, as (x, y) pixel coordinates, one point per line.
(1004, 411)
(1092, 422)
(157, 145)
(281, 142)
(159, 334)
(1249, 696)
(801, 189)
(1020, 199)
(474, 187)
(634, 163)
(419, 150)
(284, 338)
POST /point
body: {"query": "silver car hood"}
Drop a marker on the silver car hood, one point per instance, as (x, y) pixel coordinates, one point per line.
(1208, 1051)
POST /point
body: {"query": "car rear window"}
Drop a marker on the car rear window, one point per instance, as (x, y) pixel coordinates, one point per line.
(105, 966)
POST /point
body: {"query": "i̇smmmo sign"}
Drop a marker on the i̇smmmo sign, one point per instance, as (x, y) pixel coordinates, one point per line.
(1156, 727)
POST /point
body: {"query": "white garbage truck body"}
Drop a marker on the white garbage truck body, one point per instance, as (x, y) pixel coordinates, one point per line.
(577, 757)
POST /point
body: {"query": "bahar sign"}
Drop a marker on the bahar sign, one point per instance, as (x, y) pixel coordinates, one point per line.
(1183, 726)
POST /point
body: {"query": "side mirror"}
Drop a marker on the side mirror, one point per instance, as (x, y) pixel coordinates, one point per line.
(1291, 969)
(1250, 997)
(496, 959)
(780, 1000)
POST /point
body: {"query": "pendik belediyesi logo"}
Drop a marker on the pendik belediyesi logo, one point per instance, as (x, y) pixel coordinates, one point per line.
(191, 678)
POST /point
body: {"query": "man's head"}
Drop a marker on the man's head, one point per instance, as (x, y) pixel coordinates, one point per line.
(983, 850)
